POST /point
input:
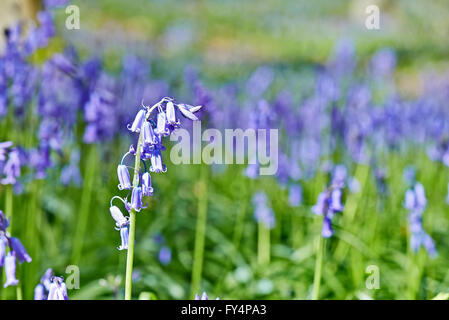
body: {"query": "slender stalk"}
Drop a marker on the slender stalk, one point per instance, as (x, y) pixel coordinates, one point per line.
(86, 196)
(263, 244)
(318, 268)
(132, 226)
(200, 233)
(130, 256)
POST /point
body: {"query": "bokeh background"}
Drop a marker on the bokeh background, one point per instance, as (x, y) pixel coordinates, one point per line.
(191, 50)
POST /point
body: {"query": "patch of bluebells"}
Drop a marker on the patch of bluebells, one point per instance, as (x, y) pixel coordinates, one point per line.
(11, 252)
(151, 129)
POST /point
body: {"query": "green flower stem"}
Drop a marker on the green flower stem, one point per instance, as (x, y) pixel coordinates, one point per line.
(132, 226)
(86, 196)
(263, 244)
(318, 268)
(200, 233)
(130, 256)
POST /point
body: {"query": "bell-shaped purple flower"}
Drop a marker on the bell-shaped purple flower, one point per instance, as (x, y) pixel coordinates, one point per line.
(117, 215)
(19, 250)
(58, 290)
(10, 271)
(138, 121)
(123, 177)
(156, 161)
(136, 199)
(161, 127)
(12, 167)
(171, 115)
(124, 235)
(147, 189)
(39, 292)
(188, 111)
(149, 137)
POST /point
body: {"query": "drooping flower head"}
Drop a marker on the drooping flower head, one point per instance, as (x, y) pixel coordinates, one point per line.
(151, 129)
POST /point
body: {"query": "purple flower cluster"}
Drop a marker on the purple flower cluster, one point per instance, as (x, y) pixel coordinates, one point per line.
(415, 202)
(15, 253)
(329, 203)
(151, 130)
(51, 287)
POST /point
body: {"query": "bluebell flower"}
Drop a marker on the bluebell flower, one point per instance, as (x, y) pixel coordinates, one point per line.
(138, 121)
(117, 215)
(10, 271)
(58, 289)
(19, 250)
(147, 189)
(329, 203)
(124, 236)
(150, 150)
(42, 290)
(157, 164)
(171, 115)
(188, 111)
(11, 169)
(161, 127)
(149, 137)
(123, 177)
(39, 292)
(136, 199)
